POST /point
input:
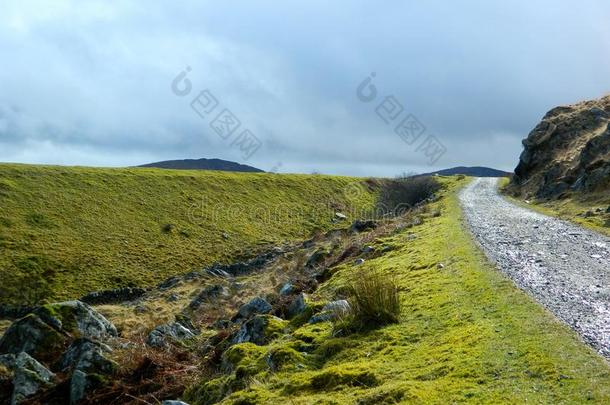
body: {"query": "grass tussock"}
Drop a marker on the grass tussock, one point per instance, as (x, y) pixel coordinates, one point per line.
(374, 300)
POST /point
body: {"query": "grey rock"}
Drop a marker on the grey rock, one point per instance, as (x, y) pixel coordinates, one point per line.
(340, 217)
(258, 330)
(80, 384)
(287, 289)
(45, 332)
(65, 315)
(29, 377)
(169, 283)
(339, 306)
(140, 309)
(166, 402)
(359, 261)
(175, 332)
(332, 311)
(322, 317)
(31, 335)
(88, 356)
(257, 305)
(297, 306)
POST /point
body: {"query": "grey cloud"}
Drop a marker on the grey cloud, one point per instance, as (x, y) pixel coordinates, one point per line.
(90, 84)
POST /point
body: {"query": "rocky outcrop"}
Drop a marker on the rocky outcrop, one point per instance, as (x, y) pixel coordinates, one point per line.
(47, 331)
(568, 151)
(66, 336)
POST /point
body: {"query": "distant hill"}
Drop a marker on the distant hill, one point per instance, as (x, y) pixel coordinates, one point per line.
(203, 164)
(475, 171)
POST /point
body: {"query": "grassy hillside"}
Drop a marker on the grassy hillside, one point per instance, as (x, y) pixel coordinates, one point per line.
(68, 231)
(467, 334)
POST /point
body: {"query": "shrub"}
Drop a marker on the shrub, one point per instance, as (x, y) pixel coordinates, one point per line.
(400, 194)
(374, 301)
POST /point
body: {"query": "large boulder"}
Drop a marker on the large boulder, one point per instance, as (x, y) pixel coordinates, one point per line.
(29, 376)
(32, 335)
(88, 356)
(76, 318)
(260, 330)
(47, 331)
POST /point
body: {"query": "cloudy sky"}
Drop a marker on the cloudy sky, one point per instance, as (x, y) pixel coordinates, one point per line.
(90, 83)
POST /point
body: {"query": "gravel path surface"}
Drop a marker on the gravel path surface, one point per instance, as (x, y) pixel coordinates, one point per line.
(563, 266)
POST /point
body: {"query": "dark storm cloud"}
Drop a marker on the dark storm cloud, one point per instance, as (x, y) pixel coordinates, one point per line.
(89, 83)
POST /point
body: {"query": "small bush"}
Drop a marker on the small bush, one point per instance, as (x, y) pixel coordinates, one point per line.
(375, 302)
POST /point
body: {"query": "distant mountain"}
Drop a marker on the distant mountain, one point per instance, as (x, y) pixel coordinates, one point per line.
(475, 171)
(203, 164)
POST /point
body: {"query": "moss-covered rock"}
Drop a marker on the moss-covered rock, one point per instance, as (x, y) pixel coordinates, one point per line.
(77, 319)
(32, 335)
(46, 332)
(260, 330)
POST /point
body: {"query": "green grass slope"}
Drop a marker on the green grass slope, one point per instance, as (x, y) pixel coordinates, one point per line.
(467, 335)
(66, 231)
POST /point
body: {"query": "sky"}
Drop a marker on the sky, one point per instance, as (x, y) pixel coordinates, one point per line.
(344, 87)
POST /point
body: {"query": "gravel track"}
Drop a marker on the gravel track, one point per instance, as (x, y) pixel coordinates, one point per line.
(563, 266)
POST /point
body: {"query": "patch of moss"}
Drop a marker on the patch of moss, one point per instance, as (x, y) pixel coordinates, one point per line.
(313, 333)
(212, 391)
(331, 378)
(284, 357)
(250, 358)
(61, 315)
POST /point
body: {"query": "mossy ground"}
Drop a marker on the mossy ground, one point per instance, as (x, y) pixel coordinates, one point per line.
(466, 334)
(66, 231)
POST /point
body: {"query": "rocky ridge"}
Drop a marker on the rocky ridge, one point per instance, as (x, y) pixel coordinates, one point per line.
(568, 151)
